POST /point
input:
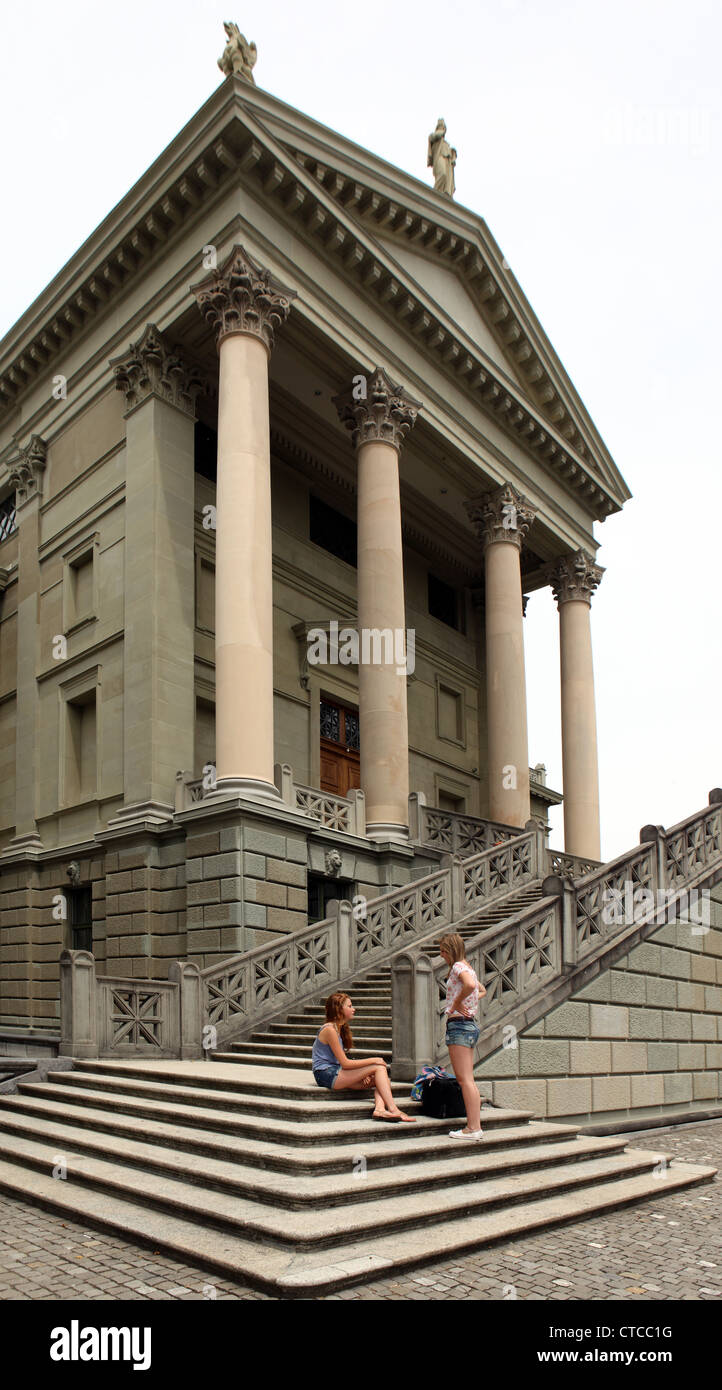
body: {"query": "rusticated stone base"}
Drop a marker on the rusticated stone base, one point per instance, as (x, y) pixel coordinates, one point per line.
(220, 878)
(644, 1036)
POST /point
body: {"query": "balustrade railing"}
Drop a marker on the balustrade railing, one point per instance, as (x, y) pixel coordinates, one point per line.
(532, 962)
(521, 961)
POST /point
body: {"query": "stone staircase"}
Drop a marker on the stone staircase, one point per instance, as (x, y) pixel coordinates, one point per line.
(288, 1043)
(255, 1173)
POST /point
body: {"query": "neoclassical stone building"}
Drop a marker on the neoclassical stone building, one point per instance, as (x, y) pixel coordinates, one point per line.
(284, 390)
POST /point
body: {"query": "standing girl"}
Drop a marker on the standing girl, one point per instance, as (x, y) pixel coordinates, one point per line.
(332, 1068)
(463, 992)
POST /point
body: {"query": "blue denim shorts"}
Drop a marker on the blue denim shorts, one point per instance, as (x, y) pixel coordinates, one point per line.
(461, 1032)
(326, 1076)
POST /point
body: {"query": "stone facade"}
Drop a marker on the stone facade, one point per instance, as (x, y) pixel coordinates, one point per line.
(644, 1035)
(109, 613)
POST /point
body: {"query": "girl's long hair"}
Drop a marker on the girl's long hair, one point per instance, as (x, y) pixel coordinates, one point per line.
(334, 1007)
(454, 944)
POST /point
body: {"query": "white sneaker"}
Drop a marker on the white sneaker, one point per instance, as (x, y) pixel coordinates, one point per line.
(475, 1135)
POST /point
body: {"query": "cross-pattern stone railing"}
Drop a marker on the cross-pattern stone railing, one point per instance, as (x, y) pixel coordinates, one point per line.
(251, 988)
(534, 961)
(198, 1009)
(571, 865)
(452, 831)
(107, 1015)
(344, 813)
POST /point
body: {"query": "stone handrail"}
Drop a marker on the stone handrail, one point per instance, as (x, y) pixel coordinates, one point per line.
(196, 1010)
(453, 831)
(571, 865)
(252, 987)
(532, 963)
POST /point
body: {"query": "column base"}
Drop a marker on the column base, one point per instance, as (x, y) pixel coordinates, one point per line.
(253, 788)
(387, 830)
(142, 813)
(23, 844)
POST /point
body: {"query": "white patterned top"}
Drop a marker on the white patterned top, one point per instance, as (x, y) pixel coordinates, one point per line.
(454, 986)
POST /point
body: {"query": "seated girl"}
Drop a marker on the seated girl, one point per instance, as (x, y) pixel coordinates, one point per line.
(332, 1068)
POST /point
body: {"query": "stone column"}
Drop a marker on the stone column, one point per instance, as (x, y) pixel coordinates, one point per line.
(379, 415)
(573, 582)
(159, 708)
(502, 519)
(26, 473)
(244, 304)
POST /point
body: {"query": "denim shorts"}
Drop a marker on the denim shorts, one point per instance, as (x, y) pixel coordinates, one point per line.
(461, 1032)
(326, 1076)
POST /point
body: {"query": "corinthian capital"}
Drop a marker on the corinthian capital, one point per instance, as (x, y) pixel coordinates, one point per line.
(376, 411)
(575, 576)
(26, 471)
(243, 297)
(152, 368)
(502, 515)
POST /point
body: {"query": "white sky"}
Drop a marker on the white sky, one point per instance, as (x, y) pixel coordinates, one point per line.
(589, 140)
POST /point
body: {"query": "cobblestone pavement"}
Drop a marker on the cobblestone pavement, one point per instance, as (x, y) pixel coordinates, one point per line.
(665, 1249)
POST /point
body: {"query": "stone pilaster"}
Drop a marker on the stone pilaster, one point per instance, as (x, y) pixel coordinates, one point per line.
(160, 389)
(380, 415)
(573, 581)
(244, 304)
(502, 519)
(27, 474)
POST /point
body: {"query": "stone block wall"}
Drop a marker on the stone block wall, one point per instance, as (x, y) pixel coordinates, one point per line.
(644, 1036)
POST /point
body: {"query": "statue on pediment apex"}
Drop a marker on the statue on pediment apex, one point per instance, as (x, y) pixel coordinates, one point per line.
(442, 159)
(239, 56)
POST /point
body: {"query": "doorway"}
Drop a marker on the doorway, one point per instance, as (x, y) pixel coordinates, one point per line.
(340, 748)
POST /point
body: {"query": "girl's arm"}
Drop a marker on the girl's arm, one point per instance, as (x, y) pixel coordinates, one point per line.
(329, 1036)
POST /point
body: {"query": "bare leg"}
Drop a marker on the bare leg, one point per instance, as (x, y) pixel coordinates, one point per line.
(354, 1080)
(462, 1060)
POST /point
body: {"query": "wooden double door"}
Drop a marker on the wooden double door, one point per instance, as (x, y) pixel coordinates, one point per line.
(340, 748)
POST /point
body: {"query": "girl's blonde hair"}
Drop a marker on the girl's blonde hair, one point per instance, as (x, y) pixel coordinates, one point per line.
(454, 944)
(334, 1014)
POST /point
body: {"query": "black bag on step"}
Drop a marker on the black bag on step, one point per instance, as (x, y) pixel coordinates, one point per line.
(441, 1097)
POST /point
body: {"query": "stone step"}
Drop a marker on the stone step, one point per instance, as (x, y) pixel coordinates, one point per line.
(247, 1103)
(244, 1082)
(316, 1018)
(287, 1271)
(281, 1129)
(297, 1050)
(240, 1055)
(318, 1227)
(299, 1191)
(306, 1037)
(504, 1132)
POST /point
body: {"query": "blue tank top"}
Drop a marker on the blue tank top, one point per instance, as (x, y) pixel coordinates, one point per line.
(322, 1056)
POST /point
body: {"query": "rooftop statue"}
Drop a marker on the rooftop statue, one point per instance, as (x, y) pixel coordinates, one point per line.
(239, 56)
(442, 159)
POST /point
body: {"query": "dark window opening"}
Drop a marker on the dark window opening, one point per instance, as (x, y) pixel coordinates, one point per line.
(332, 531)
(205, 451)
(322, 892)
(7, 516)
(443, 602)
(80, 917)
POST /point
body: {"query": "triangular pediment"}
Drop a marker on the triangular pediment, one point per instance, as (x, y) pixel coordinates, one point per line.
(449, 292)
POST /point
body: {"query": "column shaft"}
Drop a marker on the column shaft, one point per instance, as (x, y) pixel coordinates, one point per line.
(506, 687)
(244, 591)
(382, 685)
(579, 731)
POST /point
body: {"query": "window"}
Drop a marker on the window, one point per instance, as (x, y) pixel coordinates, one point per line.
(80, 737)
(80, 584)
(8, 522)
(205, 451)
(80, 917)
(443, 602)
(332, 531)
